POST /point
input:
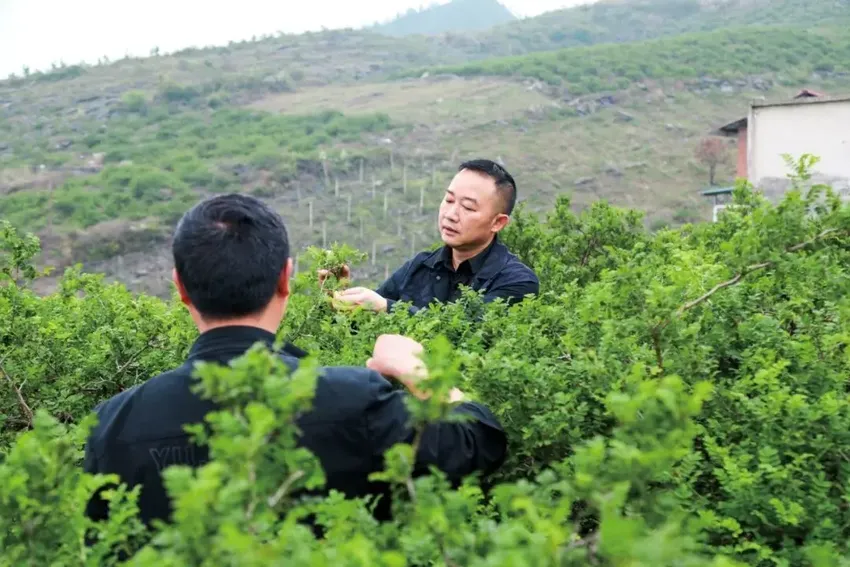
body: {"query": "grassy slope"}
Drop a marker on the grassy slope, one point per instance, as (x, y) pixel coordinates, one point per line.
(41, 111)
(633, 147)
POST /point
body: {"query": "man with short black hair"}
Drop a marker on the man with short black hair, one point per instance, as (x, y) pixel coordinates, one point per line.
(232, 269)
(477, 205)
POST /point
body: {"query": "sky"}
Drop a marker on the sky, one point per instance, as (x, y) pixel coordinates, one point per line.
(38, 32)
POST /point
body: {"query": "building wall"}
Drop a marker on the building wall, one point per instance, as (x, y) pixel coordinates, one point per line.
(741, 167)
(818, 128)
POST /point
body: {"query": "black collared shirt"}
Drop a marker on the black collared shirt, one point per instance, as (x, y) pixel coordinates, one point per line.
(448, 280)
(356, 416)
(430, 276)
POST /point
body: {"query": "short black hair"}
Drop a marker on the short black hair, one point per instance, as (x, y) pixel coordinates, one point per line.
(504, 181)
(229, 251)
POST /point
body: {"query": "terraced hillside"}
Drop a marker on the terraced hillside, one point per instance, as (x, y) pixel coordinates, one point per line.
(101, 161)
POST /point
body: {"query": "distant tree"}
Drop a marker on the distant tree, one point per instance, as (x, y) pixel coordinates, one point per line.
(712, 151)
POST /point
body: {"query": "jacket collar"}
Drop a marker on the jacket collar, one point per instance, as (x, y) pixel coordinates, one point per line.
(233, 340)
(485, 265)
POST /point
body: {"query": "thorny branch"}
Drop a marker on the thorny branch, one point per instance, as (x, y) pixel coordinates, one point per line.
(252, 478)
(590, 247)
(21, 401)
(411, 487)
(133, 357)
(120, 369)
(657, 329)
(275, 499)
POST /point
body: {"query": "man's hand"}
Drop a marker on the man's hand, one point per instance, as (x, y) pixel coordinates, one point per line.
(361, 296)
(343, 274)
(399, 357)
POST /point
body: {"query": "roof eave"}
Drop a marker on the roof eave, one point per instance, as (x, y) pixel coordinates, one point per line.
(731, 128)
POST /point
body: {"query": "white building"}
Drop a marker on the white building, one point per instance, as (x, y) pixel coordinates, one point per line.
(811, 123)
(819, 126)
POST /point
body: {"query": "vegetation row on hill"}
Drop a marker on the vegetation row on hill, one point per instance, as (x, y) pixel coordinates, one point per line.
(625, 21)
(789, 53)
(676, 398)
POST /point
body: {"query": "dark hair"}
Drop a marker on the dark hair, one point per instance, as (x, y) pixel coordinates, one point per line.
(229, 251)
(504, 181)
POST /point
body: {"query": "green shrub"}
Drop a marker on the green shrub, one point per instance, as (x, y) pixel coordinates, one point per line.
(671, 398)
(134, 101)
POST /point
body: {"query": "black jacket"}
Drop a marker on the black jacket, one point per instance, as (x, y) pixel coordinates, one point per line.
(356, 415)
(430, 276)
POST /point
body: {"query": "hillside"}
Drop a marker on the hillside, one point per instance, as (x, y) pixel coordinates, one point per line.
(100, 161)
(791, 55)
(248, 69)
(621, 21)
(456, 16)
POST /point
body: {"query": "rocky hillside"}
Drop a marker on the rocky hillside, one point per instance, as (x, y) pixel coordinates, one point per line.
(353, 135)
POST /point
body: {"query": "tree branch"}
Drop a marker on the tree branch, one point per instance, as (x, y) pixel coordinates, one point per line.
(590, 246)
(133, 357)
(275, 499)
(252, 478)
(21, 401)
(658, 328)
(656, 345)
(718, 287)
(591, 543)
(411, 487)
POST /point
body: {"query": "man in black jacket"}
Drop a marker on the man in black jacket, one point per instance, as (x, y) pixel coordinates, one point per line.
(232, 271)
(477, 205)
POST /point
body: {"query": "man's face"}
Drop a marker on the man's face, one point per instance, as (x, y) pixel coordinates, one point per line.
(471, 211)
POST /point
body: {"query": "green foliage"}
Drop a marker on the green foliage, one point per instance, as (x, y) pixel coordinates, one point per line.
(676, 398)
(723, 54)
(44, 494)
(18, 253)
(134, 101)
(157, 165)
(637, 20)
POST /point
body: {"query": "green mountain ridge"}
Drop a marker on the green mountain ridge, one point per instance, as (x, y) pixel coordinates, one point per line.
(457, 16)
(623, 21)
(369, 55)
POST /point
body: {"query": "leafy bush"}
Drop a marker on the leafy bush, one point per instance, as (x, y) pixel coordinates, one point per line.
(134, 101)
(676, 398)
